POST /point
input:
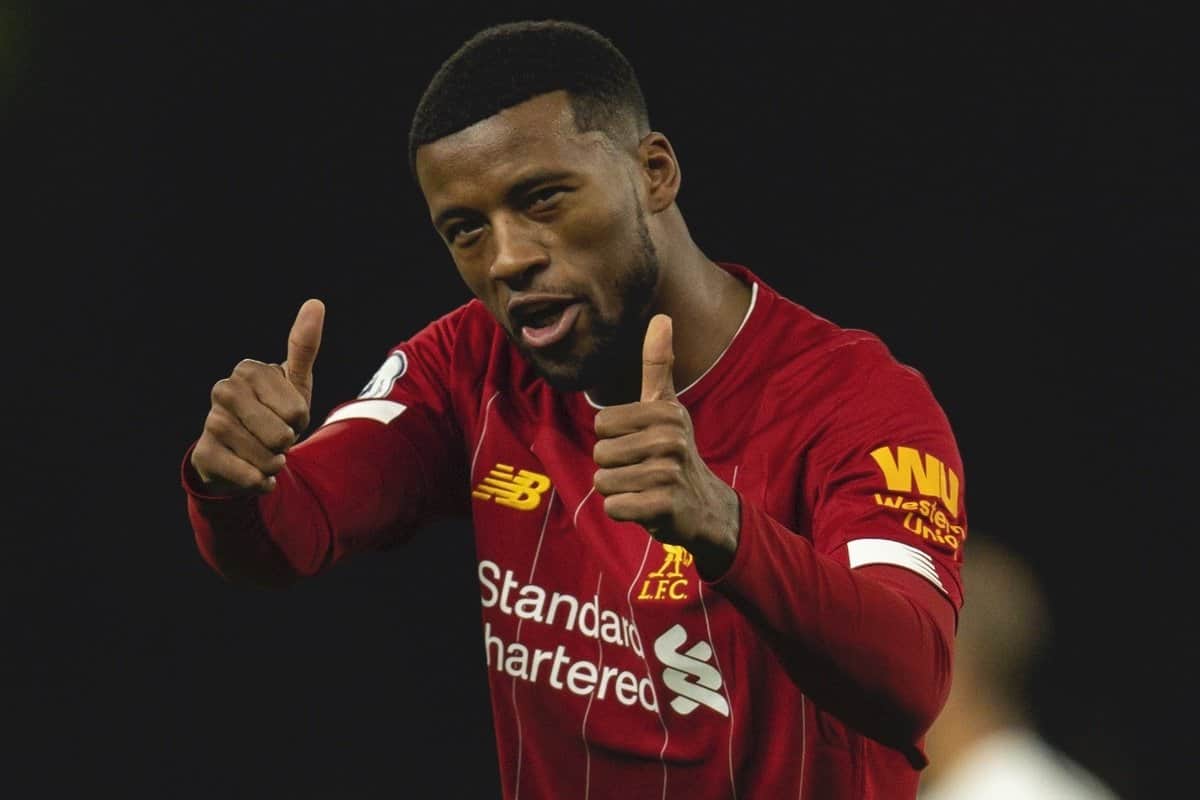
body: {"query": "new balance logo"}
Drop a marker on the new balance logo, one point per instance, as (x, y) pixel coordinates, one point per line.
(688, 674)
(522, 490)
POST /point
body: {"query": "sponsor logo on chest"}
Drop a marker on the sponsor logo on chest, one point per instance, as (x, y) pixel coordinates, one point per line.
(689, 674)
(689, 669)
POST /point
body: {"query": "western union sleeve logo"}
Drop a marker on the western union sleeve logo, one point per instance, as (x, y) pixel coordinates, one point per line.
(522, 490)
(931, 476)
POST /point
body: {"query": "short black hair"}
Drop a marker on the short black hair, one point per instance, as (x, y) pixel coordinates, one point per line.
(506, 64)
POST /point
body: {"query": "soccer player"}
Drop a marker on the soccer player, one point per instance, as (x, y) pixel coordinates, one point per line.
(717, 534)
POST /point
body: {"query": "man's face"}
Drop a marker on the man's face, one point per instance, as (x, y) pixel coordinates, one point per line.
(546, 227)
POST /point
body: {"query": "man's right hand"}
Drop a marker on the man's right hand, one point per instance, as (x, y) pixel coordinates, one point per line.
(258, 412)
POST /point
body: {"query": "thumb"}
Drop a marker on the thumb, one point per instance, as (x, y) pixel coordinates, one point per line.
(658, 359)
(303, 343)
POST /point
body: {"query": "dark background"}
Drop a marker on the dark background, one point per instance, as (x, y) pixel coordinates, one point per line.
(1005, 195)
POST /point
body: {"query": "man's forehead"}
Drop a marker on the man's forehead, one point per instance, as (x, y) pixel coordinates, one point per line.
(540, 131)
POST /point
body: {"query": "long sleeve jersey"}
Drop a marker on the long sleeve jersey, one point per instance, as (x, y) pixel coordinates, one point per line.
(810, 669)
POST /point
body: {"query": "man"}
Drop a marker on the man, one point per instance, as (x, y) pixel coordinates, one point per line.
(717, 534)
(986, 744)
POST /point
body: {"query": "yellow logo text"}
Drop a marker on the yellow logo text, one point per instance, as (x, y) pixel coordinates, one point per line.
(522, 490)
(926, 519)
(668, 581)
(906, 467)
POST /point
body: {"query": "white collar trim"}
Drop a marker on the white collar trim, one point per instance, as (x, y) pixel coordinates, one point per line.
(745, 319)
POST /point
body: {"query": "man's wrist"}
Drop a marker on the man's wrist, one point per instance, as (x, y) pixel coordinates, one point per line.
(714, 555)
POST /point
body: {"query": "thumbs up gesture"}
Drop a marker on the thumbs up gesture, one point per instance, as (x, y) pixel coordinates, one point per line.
(650, 472)
(258, 412)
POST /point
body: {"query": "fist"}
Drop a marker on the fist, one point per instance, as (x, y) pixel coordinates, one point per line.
(258, 412)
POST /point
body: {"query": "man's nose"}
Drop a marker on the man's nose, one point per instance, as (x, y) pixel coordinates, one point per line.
(518, 252)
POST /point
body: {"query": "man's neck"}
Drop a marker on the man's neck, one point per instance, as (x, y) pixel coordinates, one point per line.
(707, 306)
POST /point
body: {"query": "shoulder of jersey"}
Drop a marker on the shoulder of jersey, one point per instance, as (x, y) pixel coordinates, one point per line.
(793, 330)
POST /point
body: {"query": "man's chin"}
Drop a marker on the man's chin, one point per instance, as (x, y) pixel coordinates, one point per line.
(566, 370)
(555, 364)
(565, 376)
(577, 366)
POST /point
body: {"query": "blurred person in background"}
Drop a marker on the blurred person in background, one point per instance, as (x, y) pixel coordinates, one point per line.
(985, 744)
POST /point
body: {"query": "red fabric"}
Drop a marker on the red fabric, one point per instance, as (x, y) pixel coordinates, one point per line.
(614, 669)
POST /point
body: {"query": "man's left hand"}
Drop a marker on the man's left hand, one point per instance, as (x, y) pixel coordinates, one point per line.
(651, 473)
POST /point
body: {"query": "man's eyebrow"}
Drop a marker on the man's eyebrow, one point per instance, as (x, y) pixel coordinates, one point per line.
(514, 192)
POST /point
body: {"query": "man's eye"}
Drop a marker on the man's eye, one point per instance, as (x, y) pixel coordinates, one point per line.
(461, 234)
(544, 197)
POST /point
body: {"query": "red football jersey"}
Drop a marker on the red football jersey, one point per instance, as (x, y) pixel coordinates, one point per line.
(811, 669)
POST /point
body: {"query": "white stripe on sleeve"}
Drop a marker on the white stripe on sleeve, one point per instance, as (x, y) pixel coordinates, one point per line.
(888, 551)
(379, 410)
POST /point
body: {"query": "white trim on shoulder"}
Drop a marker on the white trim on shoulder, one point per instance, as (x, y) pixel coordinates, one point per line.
(379, 410)
(888, 551)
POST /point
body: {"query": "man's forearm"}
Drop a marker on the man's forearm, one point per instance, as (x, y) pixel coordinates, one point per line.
(235, 541)
(872, 645)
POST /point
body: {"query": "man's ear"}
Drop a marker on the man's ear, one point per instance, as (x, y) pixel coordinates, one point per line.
(660, 169)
